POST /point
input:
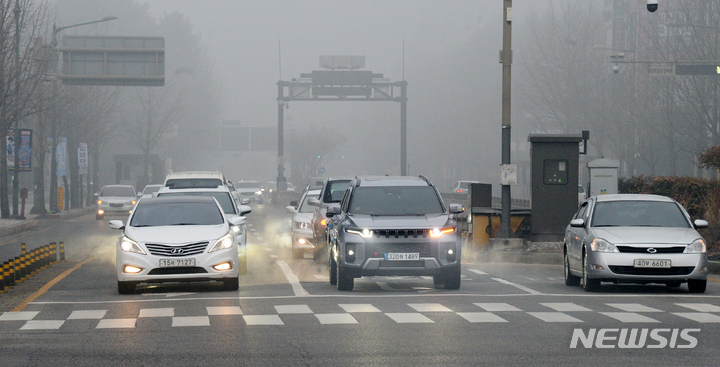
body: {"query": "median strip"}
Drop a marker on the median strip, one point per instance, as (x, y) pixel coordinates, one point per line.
(47, 286)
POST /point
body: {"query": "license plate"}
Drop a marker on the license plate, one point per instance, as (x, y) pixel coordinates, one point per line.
(164, 263)
(393, 256)
(640, 263)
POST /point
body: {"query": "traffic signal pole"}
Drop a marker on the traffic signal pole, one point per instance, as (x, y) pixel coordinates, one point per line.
(506, 55)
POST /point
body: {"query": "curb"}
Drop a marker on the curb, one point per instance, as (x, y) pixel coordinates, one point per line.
(23, 226)
(33, 223)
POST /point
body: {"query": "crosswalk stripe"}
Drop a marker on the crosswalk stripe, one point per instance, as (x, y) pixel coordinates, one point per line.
(477, 271)
(628, 317)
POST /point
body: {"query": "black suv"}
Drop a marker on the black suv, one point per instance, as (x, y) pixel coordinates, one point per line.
(393, 225)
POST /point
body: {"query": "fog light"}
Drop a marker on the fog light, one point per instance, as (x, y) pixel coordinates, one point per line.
(302, 241)
(596, 267)
(350, 253)
(131, 269)
(704, 268)
(451, 254)
(101, 212)
(223, 266)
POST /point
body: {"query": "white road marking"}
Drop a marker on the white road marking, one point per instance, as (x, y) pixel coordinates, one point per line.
(292, 279)
(336, 318)
(169, 294)
(224, 310)
(323, 277)
(268, 249)
(191, 321)
(87, 315)
(429, 307)
(42, 325)
(493, 307)
(565, 307)
(633, 307)
(18, 315)
(702, 307)
(263, 320)
(628, 317)
(116, 324)
(274, 256)
(359, 307)
(157, 312)
(477, 271)
(281, 309)
(481, 317)
(700, 317)
(518, 286)
(410, 318)
(554, 317)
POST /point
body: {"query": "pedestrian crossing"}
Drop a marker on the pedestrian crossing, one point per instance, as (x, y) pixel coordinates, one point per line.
(359, 313)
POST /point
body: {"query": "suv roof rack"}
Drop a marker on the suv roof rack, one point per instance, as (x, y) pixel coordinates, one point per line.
(426, 180)
(357, 181)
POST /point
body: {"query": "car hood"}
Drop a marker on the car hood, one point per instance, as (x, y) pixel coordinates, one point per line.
(302, 217)
(647, 235)
(116, 199)
(420, 222)
(176, 234)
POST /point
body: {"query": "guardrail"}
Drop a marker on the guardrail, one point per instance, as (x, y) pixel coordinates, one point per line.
(22, 267)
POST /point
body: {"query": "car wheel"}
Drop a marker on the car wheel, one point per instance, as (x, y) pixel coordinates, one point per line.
(242, 264)
(697, 285)
(439, 281)
(333, 271)
(126, 287)
(588, 284)
(569, 278)
(673, 284)
(452, 279)
(344, 281)
(231, 284)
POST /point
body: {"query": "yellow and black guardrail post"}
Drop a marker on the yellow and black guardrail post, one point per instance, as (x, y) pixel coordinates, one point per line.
(28, 263)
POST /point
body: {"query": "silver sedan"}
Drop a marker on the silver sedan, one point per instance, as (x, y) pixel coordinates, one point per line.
(635, 238)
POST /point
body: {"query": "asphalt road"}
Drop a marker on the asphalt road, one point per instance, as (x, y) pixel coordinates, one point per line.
(286, 313)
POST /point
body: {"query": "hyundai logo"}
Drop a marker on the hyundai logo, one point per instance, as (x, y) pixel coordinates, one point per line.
(178, 251)
(651, 250)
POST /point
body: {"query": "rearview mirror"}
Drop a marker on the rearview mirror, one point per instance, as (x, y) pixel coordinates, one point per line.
(116, 224)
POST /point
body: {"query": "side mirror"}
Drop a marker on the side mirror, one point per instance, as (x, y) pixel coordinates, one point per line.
(577, 223)
(456, 209)
(116, 224)
(314, 202)
(96, 195)
(244, 209)
(700, 223)
(294, 203)
(332, 211)
(245, 201)
(290, 209)
(237, 221)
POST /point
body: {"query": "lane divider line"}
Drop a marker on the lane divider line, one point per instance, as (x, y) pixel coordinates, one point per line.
(292, 279)
(478, 271)
(47, 286)
(518, 286)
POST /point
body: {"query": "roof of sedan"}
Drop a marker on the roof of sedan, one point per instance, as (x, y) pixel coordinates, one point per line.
(633, 197)
(177, 199)
(392, 181)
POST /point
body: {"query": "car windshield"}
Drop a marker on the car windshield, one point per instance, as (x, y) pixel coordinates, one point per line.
(186, 183)
(173, 214)
(151, 189)
(395, 200)
(638, 214)
(122, 191)
(223, 198)
(304, 206)
(248, 185)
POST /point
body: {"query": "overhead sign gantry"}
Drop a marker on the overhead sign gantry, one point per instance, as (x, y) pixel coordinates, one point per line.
(341, 83)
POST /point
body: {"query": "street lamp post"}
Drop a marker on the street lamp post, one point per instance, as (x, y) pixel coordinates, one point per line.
(16, 142)
(505, 230)
(53, 153)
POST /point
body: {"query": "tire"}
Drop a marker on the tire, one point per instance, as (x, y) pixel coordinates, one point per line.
(570, 279)
(697, 285)
(242, 264)
(333, 271)
(452, 279)
(439, 282)
(344, 281)
(673, 284)
(231, 284)
(126, 287)
(590, 285)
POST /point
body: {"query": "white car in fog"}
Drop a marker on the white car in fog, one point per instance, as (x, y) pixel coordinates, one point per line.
(177, 239)
(301, 229)
(115, 199)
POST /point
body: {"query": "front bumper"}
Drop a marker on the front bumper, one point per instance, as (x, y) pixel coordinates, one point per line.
(304, 234)
(114, 210)
(152, 272)
(619, 267)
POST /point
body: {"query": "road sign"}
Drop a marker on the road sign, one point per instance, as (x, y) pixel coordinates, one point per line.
(697, 69)
(509, 174)
(661, 70)
(83, 158)
(127, 61)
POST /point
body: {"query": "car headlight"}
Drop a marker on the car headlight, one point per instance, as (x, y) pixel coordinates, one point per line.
(302, 225)
(601, 245)
(437, 232)
(365, 233)
(258, 192)
(224, 242)
(697, 247)
(99, 202)
(128, 245)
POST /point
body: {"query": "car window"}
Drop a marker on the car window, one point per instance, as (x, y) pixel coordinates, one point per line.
(223, 198)
(151, 189)
(395, 200)
(169, 214)
(335, 190)
(187, 183)
(304, 206)
(638, 214)
(122, 191)
(581, 212)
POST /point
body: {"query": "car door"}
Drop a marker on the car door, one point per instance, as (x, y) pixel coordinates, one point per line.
(576, 236)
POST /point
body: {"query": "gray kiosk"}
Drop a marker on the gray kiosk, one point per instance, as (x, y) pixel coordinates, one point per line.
(555, 163)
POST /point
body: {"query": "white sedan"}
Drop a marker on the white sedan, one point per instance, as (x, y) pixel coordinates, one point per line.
(177, 239)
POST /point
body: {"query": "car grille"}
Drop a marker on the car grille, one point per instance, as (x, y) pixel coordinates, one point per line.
(247, 193)
(402, 264)
(658, 250)
(116, 205)
(629, 270)
(176, 251)
(383, 248)
(177, 270)
(404, 233)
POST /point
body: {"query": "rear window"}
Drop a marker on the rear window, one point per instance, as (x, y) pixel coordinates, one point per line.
(223, 198)
(121, 191)
(172, 214)
(189, 183)
(395, 200)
